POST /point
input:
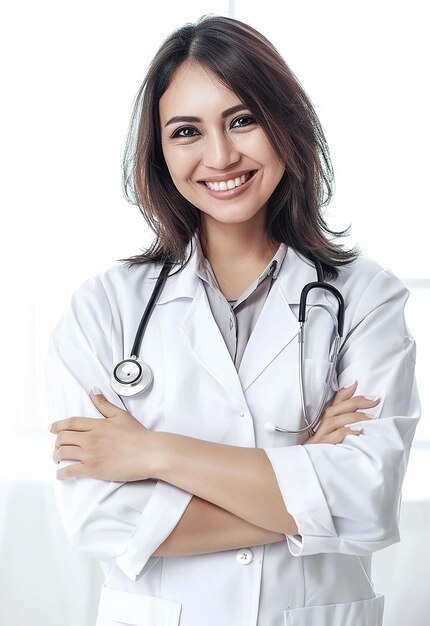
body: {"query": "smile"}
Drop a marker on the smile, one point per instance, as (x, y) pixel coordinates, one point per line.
(226, 185)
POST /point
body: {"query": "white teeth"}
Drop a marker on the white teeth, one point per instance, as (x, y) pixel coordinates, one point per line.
(224, 185)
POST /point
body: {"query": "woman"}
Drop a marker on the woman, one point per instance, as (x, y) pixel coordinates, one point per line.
(198, 513)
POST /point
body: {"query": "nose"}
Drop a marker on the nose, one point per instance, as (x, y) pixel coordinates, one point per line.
(220, 151)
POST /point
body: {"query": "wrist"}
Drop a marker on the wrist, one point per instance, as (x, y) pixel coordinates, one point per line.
(158, 454)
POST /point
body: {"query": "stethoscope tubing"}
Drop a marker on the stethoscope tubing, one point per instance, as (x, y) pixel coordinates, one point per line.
(326, 287)
(162, 277)
(128, 387)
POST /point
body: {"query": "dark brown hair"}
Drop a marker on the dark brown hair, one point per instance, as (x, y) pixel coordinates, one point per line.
(248, 64)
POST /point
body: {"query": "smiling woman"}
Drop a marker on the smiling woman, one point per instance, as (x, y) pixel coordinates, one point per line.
(232, 174)
(198, 118)
(209, 161)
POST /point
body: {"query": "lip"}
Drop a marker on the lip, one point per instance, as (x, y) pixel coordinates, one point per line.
(231, 193)
(225, 178)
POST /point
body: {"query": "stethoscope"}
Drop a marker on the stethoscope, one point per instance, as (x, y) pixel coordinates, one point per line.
(132, 376)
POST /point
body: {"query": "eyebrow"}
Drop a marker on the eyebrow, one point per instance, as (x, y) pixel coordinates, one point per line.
(189, 118)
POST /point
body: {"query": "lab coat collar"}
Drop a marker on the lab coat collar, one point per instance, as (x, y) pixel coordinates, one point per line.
(196, 322)
(184, 283)
(294, 273)
(275, 328)
(277, 325)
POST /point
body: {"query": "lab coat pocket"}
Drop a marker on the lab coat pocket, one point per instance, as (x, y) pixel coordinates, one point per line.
(122, 608)
(360, 613)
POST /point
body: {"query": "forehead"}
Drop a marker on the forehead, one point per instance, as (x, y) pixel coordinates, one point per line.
(192, 87)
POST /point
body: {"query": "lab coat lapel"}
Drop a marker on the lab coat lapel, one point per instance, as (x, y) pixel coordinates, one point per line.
(277, 325)
(208, 345)
(275, 328)
(199, 327)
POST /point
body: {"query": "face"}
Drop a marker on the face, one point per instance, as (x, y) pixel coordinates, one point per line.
(219, 158)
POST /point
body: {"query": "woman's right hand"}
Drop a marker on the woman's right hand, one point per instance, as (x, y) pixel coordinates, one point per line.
(343, 409)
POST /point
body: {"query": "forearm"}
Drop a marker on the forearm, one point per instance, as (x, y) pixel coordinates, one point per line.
(206, 528)
(237, 479)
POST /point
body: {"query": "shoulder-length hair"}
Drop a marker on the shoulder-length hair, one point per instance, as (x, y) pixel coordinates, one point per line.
(248, 64)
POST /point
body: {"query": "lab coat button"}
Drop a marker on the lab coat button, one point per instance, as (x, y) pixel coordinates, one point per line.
(242, 413)
(245, 556)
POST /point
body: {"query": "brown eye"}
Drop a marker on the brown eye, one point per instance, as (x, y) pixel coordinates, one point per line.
(243, 120)
(185, 131)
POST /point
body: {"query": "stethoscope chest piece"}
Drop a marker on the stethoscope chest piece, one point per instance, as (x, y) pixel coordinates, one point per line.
(131, 377)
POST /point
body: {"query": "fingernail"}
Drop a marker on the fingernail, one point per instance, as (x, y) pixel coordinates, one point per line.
(373, 398)
(96, 391)
(350, 385)
(356, 430)
(372, 417)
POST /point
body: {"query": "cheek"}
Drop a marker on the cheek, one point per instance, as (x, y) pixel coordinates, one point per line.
(257, 146)
(180, 163)
(269, 157)
(180, 175)
(277, 168)
(280, 169)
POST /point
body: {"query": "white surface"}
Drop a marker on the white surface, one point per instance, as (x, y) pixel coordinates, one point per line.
(44, 581)
(401, 571)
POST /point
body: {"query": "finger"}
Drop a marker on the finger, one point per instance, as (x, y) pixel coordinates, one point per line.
(68, 438)
(353, 404)
(72, 471)
(73, 423)
(67, 453)
(336, 436)
(334, 423)
(339, 435)
(106, 408)
(344, 393)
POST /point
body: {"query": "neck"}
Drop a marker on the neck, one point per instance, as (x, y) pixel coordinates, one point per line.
(237, 253)
(236, 245)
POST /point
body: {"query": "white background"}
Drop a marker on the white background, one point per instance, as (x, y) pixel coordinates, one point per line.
(72, 71)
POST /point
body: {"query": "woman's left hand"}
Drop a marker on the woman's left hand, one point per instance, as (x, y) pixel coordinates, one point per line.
(117, 448)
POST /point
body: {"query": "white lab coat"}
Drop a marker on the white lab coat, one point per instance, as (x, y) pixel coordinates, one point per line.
(345, 498)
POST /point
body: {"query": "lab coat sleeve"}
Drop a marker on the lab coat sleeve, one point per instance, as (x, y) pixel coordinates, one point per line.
(107, 520)
(345, 498)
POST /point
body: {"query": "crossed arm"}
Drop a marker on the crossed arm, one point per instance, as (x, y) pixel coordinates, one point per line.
(205, 528)
(221, 515)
